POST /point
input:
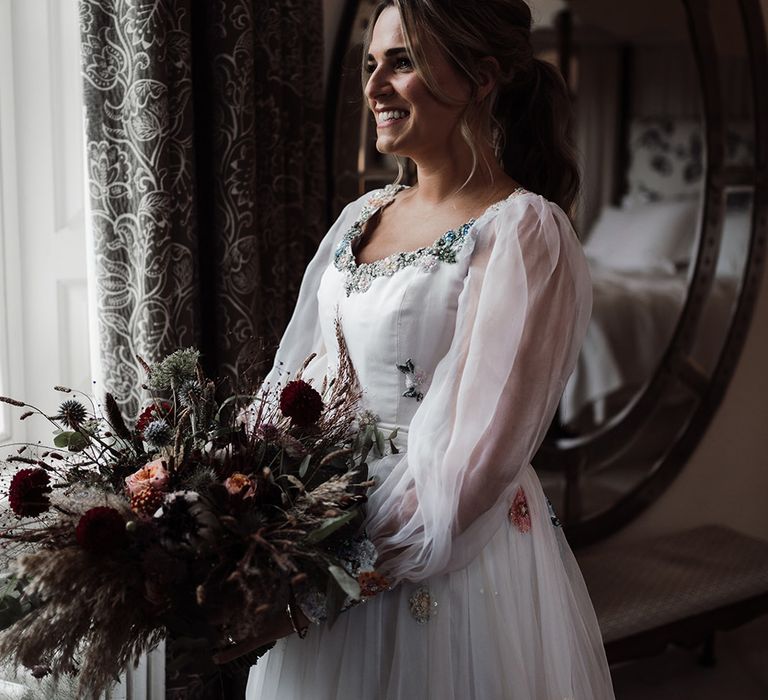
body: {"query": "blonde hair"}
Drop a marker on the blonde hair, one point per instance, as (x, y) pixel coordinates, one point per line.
(526, 118)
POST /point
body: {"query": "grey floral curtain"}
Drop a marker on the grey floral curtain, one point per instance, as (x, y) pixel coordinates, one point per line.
(205, 172)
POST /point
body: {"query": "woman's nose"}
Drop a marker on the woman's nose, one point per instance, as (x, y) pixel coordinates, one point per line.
(377, 85)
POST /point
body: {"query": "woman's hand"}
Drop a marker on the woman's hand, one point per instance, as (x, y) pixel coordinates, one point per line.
(389, 528)
(273, 629)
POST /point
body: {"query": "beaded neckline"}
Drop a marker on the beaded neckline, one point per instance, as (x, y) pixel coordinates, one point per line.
(359, 276)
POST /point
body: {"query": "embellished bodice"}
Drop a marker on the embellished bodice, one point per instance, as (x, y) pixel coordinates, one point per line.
(398, 314)
(358, 276)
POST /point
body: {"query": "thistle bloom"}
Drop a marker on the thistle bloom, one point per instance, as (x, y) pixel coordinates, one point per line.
(158, 433)
(174, 370)
(190, 393)
(154, 411)
(28, 492)
(72, 413)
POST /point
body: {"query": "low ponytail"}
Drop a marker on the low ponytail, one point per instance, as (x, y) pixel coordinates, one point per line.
(534, 116)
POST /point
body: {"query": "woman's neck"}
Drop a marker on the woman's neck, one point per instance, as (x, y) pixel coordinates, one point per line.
(440, 179)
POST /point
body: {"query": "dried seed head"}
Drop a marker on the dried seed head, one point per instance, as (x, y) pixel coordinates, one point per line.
(13, 402)
(72, 413)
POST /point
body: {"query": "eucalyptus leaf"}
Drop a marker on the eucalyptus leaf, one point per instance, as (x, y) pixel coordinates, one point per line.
(294, 481)
(379, 440)
(329, 526)
(304, 465)
(347, 583)
(62, 439)
(71, 440)
(366, 442)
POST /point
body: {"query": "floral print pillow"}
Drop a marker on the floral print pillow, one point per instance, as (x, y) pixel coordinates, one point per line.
(667, 158)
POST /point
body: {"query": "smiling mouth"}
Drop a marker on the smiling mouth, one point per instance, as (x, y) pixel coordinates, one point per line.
(387, 118)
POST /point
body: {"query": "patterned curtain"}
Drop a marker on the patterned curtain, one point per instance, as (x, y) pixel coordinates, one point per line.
(205, 171)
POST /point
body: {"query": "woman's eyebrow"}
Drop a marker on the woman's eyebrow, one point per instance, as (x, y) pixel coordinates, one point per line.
(389, 52)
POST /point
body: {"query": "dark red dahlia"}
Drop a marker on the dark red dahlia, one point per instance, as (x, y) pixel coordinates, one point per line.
(155, 411)
(300, 402)
(101, 530)
(28, 493)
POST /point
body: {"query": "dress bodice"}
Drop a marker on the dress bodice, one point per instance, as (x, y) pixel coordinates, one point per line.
(398, 314)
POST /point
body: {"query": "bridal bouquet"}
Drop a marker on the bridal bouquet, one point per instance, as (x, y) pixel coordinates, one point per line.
(201, 522)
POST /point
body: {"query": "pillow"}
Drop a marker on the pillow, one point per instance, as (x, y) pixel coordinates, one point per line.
(654, 237)
(667, 157)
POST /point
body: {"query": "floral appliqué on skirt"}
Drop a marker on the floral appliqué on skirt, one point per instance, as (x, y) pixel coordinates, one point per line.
(519, 513)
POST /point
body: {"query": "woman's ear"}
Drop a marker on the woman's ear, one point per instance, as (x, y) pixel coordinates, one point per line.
(488, 71)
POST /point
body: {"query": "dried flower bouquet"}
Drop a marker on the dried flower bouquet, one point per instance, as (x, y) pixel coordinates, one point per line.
(202, 521)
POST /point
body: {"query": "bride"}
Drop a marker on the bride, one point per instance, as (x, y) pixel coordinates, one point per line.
(463, 301)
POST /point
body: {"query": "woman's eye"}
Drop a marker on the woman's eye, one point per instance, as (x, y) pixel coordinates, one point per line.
(402, 63)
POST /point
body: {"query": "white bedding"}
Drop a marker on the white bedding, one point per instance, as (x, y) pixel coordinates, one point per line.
(633, 316)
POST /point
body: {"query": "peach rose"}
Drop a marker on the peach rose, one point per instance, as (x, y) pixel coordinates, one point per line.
(152, 475)
(239, 485)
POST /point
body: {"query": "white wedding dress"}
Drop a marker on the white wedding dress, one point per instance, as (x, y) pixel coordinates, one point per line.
(465, 346)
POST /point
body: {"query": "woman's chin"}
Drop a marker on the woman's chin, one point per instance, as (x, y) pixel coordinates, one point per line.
(387, 147)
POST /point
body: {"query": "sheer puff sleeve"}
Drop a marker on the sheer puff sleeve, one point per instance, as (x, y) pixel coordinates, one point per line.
(303, 335)
(522, 316)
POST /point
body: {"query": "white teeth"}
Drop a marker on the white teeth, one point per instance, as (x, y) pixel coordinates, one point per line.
(389, 116)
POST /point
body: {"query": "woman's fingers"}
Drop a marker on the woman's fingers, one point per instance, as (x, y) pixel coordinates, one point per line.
(275, 629)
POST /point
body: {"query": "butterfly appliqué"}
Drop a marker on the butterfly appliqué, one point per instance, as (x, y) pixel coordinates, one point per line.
(414, 380)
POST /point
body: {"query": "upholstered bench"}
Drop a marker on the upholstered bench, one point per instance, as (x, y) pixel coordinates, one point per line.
(675, 589)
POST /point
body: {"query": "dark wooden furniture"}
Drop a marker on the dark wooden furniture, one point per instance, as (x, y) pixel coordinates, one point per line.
(675, 589)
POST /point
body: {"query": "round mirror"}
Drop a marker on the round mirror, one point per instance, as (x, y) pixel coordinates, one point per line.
(668, 128)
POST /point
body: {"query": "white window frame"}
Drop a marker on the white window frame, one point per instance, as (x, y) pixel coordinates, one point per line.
(147, 680)
(11, 339)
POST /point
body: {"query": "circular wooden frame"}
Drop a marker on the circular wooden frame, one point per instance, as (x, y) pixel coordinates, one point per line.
(675, 368)
(573, 455)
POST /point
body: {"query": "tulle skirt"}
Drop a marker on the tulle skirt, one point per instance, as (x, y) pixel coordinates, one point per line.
(515, 624)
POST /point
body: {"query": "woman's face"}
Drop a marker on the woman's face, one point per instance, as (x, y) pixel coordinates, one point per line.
(410, 121)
